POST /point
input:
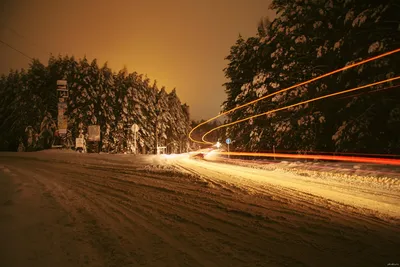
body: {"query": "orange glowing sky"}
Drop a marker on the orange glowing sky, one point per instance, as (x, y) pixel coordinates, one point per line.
(180, 43)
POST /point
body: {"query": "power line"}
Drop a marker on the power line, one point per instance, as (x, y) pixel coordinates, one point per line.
(44, 49)
(15, 49)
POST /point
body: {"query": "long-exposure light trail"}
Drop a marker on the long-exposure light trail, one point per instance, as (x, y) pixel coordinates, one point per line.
(334, 153)
(298, 104)
(289, 88)
(315, 157)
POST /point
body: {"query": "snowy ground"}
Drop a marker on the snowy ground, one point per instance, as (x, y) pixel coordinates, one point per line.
(68, 209)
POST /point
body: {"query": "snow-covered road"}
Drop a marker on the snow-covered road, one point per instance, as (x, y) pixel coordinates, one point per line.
(68, 209)
(374, 196)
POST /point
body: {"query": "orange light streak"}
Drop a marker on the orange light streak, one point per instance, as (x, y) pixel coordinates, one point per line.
(298, 104)
(335, 153)
(289, 88)
(320, 157)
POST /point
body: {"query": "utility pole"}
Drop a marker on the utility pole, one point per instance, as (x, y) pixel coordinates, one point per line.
(155, 137)
(135, 129)
(228, 142)
(135, 142)
(62, 120)
(155, 128)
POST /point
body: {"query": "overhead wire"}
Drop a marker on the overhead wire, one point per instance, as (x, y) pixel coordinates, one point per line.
(31, 42)
(15, 49)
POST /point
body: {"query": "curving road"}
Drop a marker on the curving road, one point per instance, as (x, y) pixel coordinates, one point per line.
(68, 209)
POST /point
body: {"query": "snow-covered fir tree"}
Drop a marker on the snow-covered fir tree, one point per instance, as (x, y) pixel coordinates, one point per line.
(97, 96)
(307, 39)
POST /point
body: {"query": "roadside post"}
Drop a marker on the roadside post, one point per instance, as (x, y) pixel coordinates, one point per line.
(228, 141)
(135, 129)
(60, 138)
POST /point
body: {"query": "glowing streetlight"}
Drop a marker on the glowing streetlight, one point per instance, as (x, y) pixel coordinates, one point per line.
(218, 144)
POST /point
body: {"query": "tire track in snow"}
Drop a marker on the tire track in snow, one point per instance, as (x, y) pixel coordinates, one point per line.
(98, 209)
(247, 178)
(51, 189)
(301, 243)
(279, 257)
(173, 212)
(245, 224)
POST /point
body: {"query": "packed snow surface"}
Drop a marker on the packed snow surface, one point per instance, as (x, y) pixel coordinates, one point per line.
(69, 209)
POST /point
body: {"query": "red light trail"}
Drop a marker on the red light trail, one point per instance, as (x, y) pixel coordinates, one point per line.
(320, 157)
(335, 153)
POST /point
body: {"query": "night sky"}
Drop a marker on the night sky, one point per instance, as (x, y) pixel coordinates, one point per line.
(181, 44)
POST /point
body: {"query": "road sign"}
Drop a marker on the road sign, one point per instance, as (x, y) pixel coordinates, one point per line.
(94, 133)
(61, 82)
(61, 85)
(78, 142)
(135, 128)
(228, 141)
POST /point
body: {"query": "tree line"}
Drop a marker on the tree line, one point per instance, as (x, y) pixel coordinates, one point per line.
(307, 39)
(97, 96)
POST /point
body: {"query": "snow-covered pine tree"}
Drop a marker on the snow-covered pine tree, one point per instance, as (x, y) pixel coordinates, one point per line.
(47, 130)
(82, 99)
(244, 63)
(296, 34)
(96, 96)
(137, 98)
(122, 110)
(367, 121)
(248, 71)
(164, 117)
(28, 105)
(3, 111)
(12, 105)
(147, 97)
(307, 39)
(186, 124)
(178, 128)
(106, 96)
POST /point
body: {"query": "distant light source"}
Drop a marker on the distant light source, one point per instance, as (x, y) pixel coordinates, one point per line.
(218, 144)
